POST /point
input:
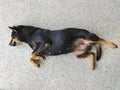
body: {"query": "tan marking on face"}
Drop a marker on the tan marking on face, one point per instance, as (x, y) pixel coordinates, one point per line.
(15, 41)
(14, 30)
(11, 42)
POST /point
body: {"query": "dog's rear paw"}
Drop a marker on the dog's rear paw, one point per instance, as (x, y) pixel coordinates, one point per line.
(93, 66)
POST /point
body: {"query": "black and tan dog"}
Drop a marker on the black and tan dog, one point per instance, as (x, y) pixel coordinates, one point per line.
(46, 42)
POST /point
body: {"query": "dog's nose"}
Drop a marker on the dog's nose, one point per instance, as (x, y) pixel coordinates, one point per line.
(12, 43)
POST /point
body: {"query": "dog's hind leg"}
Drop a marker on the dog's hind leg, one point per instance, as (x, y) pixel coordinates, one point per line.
(91, 56)
(109, 44)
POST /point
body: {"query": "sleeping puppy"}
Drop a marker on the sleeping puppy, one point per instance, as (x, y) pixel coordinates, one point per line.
(56, 42)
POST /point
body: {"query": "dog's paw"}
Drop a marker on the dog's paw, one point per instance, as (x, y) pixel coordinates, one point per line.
(37, 65)
(93, 66)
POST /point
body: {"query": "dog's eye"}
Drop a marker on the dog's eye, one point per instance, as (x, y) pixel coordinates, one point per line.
(13, 37)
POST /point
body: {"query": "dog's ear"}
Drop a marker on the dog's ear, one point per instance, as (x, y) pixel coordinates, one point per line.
(13, 28)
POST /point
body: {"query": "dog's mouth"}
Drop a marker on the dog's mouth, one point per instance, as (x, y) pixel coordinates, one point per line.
(14, 42)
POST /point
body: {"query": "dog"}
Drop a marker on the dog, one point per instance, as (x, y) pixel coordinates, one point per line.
(46, 42)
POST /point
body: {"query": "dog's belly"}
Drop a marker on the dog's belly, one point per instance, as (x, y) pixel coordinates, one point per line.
(57, 51)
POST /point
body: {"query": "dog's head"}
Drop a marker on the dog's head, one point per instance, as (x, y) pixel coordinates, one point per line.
(16, 35)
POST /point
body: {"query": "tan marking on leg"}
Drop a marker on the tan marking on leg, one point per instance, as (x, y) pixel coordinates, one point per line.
(35, 59)
(89, 55)
(109, 44)
(34, 63)
(92, 57)
(34, 56)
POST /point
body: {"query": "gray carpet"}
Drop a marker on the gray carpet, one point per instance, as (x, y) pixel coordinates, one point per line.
(64, 72)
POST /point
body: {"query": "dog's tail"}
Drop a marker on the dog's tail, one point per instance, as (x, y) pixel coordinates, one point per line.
(98, 51)
(99, 48)
(109, 44)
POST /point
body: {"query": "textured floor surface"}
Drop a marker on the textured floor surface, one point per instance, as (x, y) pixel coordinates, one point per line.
(64, 72)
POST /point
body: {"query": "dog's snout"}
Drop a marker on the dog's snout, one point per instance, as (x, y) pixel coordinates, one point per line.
(12, 43)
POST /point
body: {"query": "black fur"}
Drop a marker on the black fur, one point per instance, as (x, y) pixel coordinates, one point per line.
(60, 40)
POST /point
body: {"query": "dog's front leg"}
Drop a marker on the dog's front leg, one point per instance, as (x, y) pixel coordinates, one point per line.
(35, 59)
(36, 56)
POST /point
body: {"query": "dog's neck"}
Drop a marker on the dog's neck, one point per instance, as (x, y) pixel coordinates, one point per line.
(26, 34)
